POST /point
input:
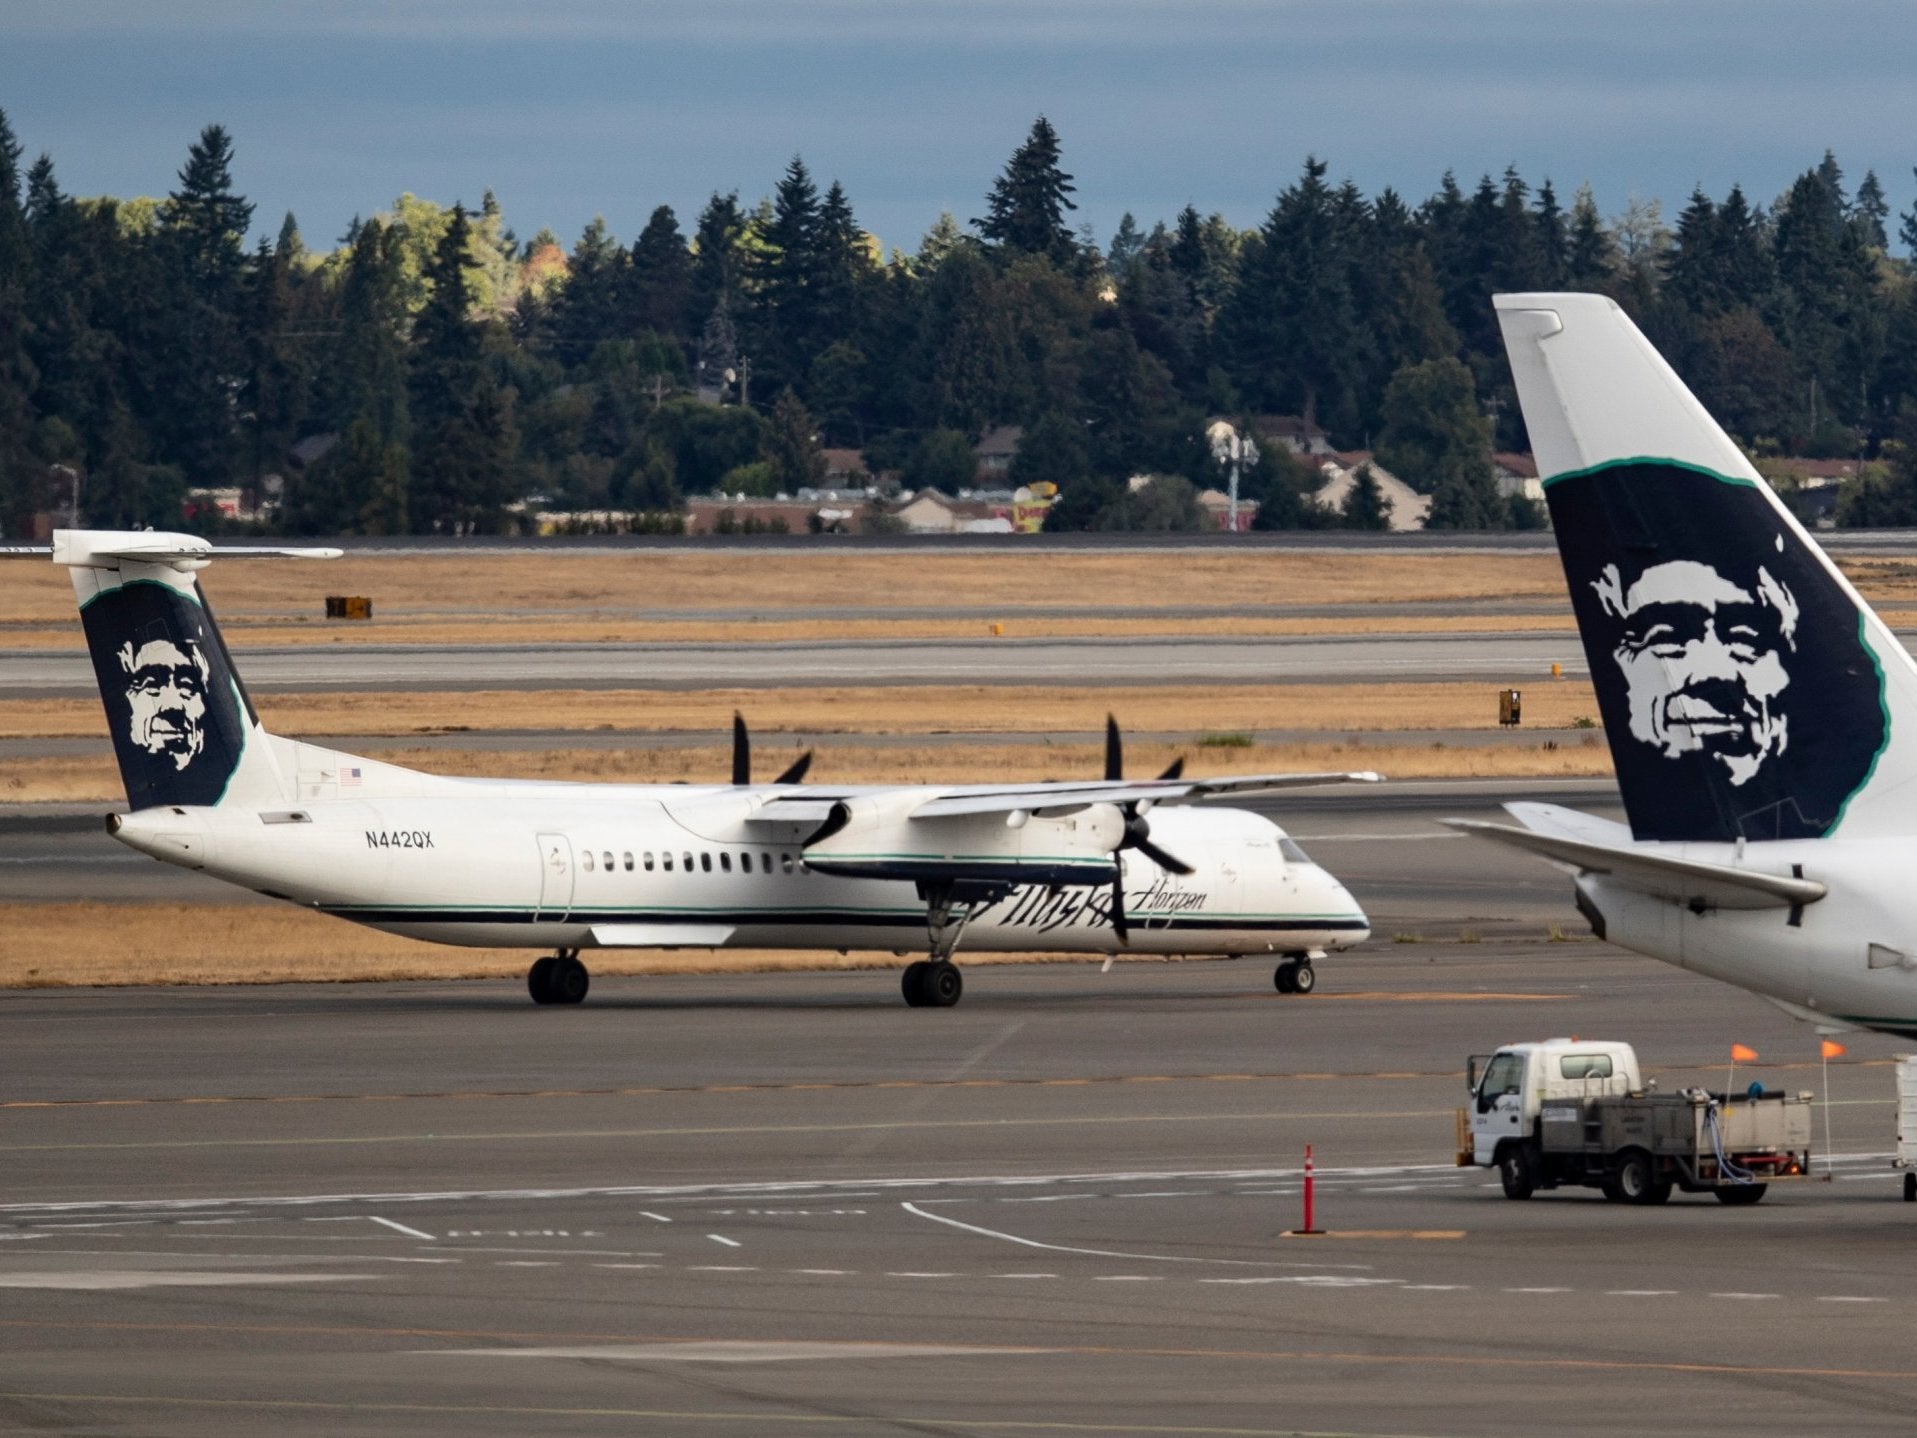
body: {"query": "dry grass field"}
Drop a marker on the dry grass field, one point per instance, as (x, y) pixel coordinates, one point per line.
(980, 709)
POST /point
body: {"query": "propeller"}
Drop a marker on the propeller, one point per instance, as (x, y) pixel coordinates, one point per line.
(1138, 830)
(742, 757)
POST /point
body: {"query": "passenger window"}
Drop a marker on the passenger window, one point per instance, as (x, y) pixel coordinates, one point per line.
(687, 856)
(607, 856)
(1585, 1066)
(627, 856)
(588, 861)
(725, 861)
(705, 863)
(765, 862)
(666, 862)
(785, 862)
(648, 861)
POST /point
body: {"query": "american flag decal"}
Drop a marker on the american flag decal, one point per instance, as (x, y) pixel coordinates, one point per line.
(349, 776)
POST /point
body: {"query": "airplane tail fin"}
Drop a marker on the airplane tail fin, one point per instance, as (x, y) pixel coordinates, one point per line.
(1747, 690)
(183, 728)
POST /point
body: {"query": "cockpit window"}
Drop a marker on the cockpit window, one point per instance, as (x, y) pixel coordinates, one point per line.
(1288, 846)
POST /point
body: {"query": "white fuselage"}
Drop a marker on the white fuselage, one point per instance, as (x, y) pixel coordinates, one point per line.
(596, 866)
(1850, 956)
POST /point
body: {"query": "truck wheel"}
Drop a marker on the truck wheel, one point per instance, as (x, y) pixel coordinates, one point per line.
(1910, 1188)
(1636, 1178)
(1514, 1172)
(1740, 1195)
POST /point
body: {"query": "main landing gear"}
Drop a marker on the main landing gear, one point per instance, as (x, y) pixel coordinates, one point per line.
(1296, 976)
(936, 983)
(558, 978)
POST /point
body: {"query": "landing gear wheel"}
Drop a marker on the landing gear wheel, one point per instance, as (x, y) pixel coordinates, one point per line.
(1295, 976)
(569, 980)
(1636, 1180)
(929, 985)
(539, 980)
(943, 985)
(1514, 1172)
(1741, 1195)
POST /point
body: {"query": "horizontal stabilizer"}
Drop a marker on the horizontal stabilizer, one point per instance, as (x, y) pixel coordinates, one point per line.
(1683, 881)
(660, 936)
(109, 548)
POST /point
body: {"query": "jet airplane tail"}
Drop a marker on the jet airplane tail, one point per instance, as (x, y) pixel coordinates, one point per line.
(1748, 692)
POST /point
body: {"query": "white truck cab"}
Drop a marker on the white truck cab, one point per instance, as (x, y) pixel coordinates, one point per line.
(1510, 1087)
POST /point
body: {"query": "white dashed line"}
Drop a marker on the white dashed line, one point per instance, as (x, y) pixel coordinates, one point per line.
(525, 1263)
(1024, 1275)
(921, 1275)
(1127, 1278)
(720, 1268)
(1640, 1293)
(1846, 1298)
(1537, 1290)
(1437, 1287)
(402, 1228)
(625, 1265)
(827, 1272)
(655, 1217)
(721, 1238)
(1746, 1295)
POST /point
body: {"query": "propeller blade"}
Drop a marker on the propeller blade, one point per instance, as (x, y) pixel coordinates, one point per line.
(1114, 750)
(795, 771)
(741, 750)
(1121, 926)
(1177, 769)
(1170, 863)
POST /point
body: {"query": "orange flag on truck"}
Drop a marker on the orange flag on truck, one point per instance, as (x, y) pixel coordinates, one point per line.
(1742, 1055)
(1833, 1049)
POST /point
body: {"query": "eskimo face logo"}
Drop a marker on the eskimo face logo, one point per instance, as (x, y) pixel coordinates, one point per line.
(1705, 661)
(166, 687)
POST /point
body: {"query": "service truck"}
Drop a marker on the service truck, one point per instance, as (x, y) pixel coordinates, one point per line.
(1906, 1070)
(1577, 1112)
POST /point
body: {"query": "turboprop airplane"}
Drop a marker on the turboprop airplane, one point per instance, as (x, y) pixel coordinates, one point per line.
(1762, 720)
(1070, 866)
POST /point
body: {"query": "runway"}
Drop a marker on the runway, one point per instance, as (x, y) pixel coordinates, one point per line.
(784, 1204)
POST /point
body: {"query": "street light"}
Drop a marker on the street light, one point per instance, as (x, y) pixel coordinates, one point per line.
(1236, 452)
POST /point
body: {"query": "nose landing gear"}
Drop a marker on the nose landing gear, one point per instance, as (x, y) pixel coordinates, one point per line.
(558, 978)
(1296, 976)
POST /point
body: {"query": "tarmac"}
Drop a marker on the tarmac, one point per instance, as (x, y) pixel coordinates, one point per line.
(786, 1203)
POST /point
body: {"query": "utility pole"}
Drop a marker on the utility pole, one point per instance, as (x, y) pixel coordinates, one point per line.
(1237, 452)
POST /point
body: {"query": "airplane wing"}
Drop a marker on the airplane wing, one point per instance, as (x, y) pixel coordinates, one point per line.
(1682, 881)
(1062, 797)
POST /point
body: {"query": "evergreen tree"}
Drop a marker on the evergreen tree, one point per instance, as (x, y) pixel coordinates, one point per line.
(1552, 238)
(17, 377)
(446, 342)
(792, 446)
(1124, 249)
(659, 279)
(716, 259)
(1593, 256)
(1435, 440)
(586, 308)
(1365, 505)
(943, 460)
(206, 220)
(787, 275)
(1291, 321)
(1025, 210)
(1870, 210)
(1907, 229)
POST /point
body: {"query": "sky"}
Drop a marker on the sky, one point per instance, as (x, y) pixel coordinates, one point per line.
(568, 109)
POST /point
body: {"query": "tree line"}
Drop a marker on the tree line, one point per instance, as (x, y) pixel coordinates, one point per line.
(454, 370)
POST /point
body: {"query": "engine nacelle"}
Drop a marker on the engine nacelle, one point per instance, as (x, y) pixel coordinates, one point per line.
(875, 836)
